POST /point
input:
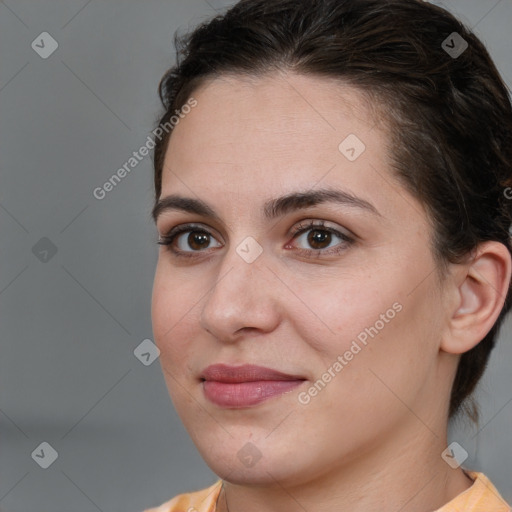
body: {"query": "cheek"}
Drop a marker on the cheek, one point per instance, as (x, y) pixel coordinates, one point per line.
(171, 313)
(372, 321)
(162, 304)
(336, 311)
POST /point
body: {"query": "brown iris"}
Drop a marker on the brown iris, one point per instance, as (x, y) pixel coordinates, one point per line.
(318, 236)
(198, 240)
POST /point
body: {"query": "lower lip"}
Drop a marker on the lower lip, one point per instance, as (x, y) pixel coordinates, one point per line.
(244, 394)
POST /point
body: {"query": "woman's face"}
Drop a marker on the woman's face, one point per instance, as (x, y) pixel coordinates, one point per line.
(338, 292)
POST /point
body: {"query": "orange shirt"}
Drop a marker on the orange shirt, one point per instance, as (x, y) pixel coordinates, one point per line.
(482, 496)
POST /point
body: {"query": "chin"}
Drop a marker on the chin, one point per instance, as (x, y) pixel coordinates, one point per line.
(263, 473)
(259, 462)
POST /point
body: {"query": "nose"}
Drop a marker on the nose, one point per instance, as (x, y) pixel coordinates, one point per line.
(244, 296)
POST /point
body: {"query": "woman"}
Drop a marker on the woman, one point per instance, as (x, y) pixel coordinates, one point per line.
(335, 257)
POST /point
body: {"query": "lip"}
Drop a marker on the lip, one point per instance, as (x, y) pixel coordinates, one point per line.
(246, 385)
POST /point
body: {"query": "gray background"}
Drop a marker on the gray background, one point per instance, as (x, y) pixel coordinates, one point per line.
(69, 325)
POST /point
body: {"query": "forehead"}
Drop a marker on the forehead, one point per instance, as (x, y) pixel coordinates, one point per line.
(298, 106)
(275, 134)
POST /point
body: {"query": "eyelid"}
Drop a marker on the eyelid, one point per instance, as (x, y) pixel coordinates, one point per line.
(189, 226)
(320, 223)
(208, 224)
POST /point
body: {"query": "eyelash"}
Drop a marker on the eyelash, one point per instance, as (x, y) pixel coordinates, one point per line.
(168, 240)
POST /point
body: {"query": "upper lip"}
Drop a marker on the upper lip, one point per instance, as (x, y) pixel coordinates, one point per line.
(244, 373)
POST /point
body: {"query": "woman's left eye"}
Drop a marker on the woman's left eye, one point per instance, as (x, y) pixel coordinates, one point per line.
(318, 236)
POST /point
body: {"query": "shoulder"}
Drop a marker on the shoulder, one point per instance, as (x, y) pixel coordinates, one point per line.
(199, 501)
(482, 496)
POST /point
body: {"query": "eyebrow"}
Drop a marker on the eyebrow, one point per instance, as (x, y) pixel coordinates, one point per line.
(272, 209)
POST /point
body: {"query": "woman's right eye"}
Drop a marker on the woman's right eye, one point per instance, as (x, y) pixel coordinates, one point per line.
(197, 239)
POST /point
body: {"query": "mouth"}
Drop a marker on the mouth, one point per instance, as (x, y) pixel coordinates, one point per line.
(244, 386)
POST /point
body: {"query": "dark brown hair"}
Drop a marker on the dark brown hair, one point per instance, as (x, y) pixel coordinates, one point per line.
(449, 113)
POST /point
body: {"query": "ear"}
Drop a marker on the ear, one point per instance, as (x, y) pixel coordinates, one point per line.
(481, 288)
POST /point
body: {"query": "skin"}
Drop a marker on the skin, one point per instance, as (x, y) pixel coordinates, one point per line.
(372, 438)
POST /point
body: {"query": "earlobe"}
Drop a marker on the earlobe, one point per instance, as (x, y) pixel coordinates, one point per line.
(482, 294)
